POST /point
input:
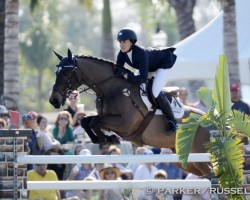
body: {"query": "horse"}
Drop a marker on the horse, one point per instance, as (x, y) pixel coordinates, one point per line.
(120, 107)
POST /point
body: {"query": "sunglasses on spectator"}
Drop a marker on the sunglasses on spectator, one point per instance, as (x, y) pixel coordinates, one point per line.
(4, 115)
(109, 172)
(63, 118)
(39, 165)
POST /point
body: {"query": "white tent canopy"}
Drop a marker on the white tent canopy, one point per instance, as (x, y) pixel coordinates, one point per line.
(199, 54)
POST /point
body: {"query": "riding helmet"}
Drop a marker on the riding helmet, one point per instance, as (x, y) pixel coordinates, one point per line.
(127, 34)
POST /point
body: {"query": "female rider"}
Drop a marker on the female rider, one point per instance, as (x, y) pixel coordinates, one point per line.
(147, 60)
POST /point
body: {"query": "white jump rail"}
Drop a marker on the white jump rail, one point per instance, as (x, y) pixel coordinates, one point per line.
(58, 159)
(117, 184)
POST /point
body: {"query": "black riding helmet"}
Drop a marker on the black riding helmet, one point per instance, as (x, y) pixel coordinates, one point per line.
(127, 34)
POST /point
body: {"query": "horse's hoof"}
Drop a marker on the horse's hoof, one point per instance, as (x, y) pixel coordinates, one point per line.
(114, 139)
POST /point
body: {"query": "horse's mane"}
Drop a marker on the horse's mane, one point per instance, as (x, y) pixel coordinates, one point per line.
(97, 59)
(105, 61)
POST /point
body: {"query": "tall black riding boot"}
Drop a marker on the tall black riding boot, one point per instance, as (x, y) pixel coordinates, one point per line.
(165, 107)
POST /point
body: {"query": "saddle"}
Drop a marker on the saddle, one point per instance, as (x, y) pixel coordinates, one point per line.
(150, 101)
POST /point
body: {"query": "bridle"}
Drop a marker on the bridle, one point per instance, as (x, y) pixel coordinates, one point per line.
(73, 76)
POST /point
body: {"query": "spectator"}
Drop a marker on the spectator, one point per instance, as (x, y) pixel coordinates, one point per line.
(159, 194)
(77, 119)
(171, 170)
(90, 194)
(34, 143)
(95, 172)
(127, 175)
(41, 173)
(110, 173)
(78, 149)
(183, 95)
(63, 131)
(104, 148)
(47, 138)
(73, 100)
(79, 172)
(3, 124)
(34, 116)
(145, 171)
(134, 166)
(114, 150)
(156, 194)
(58, 168)
(79, 133)
(200, 105)
(204, 192)
(4, 114)
(238, 104)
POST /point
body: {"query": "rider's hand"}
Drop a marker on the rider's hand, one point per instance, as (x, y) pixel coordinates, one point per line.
(119, 73)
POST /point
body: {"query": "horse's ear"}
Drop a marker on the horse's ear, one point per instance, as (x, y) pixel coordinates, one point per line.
(69, 54)
(58, 55)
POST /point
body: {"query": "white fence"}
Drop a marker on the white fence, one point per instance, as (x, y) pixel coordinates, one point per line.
(125, 184)
(117, 184)
(194, 157)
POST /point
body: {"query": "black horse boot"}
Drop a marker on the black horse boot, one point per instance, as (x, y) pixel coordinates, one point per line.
(165, 107)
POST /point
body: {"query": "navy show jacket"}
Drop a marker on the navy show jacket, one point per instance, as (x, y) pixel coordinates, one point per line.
(146, 60)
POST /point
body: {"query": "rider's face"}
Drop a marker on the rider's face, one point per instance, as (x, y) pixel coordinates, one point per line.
(125, 45)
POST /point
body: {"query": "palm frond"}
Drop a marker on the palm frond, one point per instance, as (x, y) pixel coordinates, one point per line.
(184, 137)
(221, 94)
(205, 95)
(240, 122)
(226, 156)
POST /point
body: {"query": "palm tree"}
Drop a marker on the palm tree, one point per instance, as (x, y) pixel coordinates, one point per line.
(230, 39)
(107, 47)
(2, 24)
(184, 12)
(11, 52)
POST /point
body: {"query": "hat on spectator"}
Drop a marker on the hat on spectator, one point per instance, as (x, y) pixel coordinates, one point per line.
(33, 114)
(234, 87)
(156, 150)
(85, 152)
(26, 117)
(109, 167)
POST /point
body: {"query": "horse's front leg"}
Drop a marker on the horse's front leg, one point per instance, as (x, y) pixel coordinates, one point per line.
(85, 122)
(107, 123)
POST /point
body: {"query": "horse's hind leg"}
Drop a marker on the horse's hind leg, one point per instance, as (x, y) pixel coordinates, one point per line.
(85, 121)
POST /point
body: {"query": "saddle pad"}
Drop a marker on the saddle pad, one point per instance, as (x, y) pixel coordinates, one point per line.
(177, 108)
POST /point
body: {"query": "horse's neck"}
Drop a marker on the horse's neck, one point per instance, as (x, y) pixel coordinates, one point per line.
(95, 73)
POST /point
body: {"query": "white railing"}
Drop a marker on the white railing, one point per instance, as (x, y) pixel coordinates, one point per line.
(125, 184)
(193, 157)
(117, 184)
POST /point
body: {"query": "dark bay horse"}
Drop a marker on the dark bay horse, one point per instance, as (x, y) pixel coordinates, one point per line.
(120, 107)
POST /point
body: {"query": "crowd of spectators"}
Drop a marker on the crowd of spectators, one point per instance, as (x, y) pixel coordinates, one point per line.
(63, 139)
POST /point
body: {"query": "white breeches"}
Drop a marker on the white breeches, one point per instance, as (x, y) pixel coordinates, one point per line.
(160, 81)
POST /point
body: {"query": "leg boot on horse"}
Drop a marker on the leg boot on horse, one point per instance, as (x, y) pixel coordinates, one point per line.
(165, 107)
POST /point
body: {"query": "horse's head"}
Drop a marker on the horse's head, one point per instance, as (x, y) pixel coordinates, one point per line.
(64, 83)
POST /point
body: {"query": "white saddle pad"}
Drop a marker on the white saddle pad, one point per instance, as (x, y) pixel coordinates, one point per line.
(177, 108)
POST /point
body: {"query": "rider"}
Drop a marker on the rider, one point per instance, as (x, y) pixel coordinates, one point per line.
(147, 60)
(4, 114)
